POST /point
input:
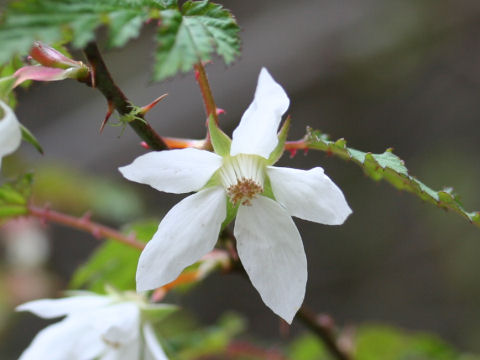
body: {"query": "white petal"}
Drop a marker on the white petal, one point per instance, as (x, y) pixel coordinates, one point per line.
(153, 349)
(174, 171)
(272, 254)
(10, 133)
(188, 231)
(52, 308)
(60, 341)
(257, 132)
(309, 195)
(129, 351)
(117, 323)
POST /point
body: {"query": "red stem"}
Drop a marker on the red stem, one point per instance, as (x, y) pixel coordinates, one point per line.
(84, 224)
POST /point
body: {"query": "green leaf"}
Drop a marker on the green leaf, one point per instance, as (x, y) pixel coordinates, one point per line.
(391, 168)
(280, 148)
(387, 343)
(186, 36)
(54, 21)
(30, 138)
(14, 196)
(113, 263)
(192, 34)
(221, 142)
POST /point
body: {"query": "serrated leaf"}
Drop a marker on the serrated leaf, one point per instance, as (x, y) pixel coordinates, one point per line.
(113, 263)
(14, 196)
(192, 34)
(391, 168)
(186, 36)
(54, 21)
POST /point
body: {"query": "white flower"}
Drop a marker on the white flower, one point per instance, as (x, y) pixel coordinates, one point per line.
(95, 327)
(268, 242)
(10, 133)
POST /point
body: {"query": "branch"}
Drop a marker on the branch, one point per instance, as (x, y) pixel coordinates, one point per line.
(207, 96)
(103, 81)
(84, 224)
(323, 326)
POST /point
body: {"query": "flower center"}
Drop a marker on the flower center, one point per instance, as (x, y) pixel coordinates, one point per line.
(243, 177)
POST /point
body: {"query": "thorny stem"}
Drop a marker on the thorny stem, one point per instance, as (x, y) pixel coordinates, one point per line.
(103, 81)
(323, 326)
(207, 96)
(84, 224)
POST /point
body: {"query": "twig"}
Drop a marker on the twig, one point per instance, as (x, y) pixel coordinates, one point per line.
(323, 327)
(84, 224)
(207, 96)
(103, 81)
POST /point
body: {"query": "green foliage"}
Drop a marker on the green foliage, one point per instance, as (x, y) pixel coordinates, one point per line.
(386, 343)
(191, 34)
(14, 196)
(391, 168)
(382, 342)
(185, 35)
(209, 341)
(70, 190)
(113, 264)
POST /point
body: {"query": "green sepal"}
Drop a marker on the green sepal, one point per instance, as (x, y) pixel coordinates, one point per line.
(280, 148)
(157, 312)
(267, 189)
(221, 142)
(231, 214)
(30, 138)
(6, 86)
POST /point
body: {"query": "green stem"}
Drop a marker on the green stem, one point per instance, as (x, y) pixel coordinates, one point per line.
(103, 81)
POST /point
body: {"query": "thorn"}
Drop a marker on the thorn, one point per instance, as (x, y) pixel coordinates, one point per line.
(158, 295)
(197, 75)
(329, 152)
(145, 145)
(86, 217)
(147, 108)
(293, 152)
(220, 111)
(305, 151)
(110, 110)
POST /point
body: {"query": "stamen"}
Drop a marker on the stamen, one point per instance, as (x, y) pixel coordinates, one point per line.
(243, 178)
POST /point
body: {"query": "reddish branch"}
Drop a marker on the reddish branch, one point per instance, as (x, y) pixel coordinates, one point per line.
(84, 224)
(103, 81)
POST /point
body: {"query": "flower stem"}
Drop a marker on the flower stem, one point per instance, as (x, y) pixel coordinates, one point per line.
(103, 81)
(84, 224)
(208, 101)
(323, 326)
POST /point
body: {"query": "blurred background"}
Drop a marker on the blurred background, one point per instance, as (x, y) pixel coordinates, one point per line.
(380, 73)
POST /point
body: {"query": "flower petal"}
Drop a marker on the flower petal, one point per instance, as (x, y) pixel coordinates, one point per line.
(153, 349)
(118, 323)
(309, 195)
(41, 73)
(10, 133)
(61, 341)
(257, 132)
(188, 231)
(52, 308)
(272, 254)
(174, 171)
